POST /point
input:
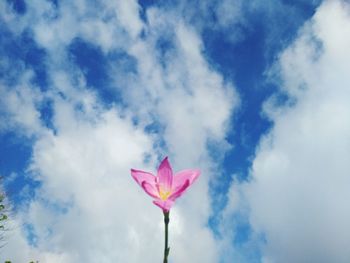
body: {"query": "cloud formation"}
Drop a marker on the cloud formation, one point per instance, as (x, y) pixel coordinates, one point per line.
(87, 208)
(103, 86)
(297, 195)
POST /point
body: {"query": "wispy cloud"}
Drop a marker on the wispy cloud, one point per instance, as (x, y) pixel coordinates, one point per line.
(296, 196)
(87, 208)
(94, 88)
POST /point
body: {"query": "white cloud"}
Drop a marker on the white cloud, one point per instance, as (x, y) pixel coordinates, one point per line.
(88, 209)
(19, 106)
(298, 192)
(229, 12)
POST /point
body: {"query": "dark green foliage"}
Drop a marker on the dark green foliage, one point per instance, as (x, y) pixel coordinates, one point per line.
(8, 261)
(3, 217)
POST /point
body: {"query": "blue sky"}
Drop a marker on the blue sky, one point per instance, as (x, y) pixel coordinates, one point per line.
(254, 94)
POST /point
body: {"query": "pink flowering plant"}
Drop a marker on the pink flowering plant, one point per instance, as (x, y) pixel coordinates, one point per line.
(165, 188)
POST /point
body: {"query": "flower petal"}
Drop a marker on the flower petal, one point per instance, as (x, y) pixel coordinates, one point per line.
(179, 191)
(180, 178)
(150, 189)
(165, 175)
(164, 205)
(141, 176)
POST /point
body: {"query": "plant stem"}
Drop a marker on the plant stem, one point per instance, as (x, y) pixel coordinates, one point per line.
(166, 248)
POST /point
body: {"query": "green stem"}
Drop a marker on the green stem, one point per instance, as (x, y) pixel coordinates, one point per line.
(166, 248)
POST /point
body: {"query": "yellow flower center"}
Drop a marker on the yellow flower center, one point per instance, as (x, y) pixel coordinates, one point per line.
(164, 194)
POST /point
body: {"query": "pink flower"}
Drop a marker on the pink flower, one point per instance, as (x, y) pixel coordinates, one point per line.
(165, 188)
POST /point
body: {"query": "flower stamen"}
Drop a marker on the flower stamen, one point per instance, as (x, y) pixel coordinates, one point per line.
(164, 194)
